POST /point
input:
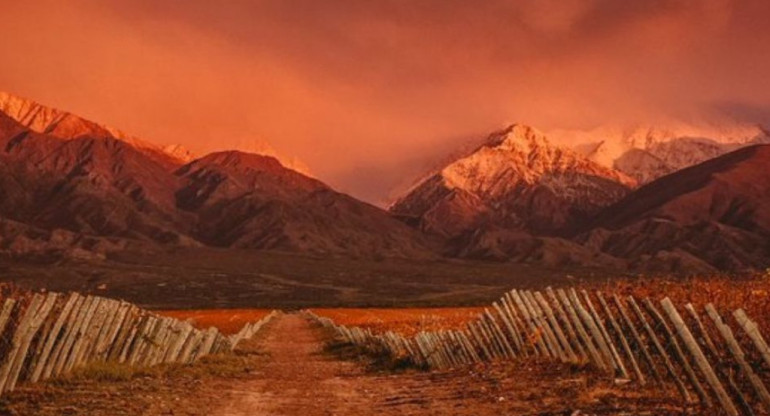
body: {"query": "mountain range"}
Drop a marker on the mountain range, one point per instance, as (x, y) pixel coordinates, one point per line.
(641, 199)
(63, 175)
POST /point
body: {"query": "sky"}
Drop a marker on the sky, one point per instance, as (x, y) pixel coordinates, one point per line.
(370, 94)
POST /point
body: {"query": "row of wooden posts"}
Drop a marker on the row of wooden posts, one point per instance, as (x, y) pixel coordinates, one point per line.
(636, 341)
(47, 335)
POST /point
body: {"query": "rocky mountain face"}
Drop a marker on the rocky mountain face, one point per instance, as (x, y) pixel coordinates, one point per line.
(650, 152)
(244, 200)
(520, 198)
(67, 183)
(712, 216)
(516, 180)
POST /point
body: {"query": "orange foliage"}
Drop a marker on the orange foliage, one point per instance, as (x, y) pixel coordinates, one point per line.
(228, 321)
(726, 293)
(752, 293)
(405, 321)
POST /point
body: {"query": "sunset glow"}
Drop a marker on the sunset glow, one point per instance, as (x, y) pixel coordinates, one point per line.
(370, 95)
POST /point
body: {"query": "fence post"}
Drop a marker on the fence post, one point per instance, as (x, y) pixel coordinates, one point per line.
(700, 359)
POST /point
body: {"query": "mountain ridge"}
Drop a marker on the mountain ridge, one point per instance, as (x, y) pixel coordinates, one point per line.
(98, 184)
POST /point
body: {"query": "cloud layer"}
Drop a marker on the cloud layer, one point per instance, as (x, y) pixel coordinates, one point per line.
(367, 93)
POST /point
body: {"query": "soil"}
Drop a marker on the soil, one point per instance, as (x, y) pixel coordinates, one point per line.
(288, 369)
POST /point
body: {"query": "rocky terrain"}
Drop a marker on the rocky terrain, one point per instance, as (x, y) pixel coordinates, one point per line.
(712, 216)
(65, 175)
(519, 197)
(516, 180)
(73, 188)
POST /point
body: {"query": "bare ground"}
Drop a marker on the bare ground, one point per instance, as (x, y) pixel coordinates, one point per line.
(287, 371)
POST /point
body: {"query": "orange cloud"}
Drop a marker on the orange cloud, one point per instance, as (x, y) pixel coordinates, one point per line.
(367, 93)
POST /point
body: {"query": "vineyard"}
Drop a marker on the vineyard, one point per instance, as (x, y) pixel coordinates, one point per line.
(47, 335)
(661, 333)
(227, 321)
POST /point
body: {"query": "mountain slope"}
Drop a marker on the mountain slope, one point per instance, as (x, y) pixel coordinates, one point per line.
(516, 180)
(252, 201)
(650, 152)
(94, 185)
(61, 175)
(715, 214)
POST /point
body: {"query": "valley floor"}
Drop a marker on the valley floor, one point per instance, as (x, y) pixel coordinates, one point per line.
(288, 370)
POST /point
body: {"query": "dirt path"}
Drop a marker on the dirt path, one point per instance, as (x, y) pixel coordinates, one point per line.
(300, 379)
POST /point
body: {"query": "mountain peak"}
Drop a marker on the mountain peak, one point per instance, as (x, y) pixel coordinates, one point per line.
(649, 151)
(517, 136)
(67, 126)
(237, 159)
(516, 179)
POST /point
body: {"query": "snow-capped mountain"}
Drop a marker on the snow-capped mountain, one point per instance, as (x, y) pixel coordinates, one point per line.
(516, 180)
(649, 152)
(64, 125)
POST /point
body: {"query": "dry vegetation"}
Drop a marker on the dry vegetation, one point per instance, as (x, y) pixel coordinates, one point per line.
(110, 389)
(752, 293)
(406, 321)
(228, 321)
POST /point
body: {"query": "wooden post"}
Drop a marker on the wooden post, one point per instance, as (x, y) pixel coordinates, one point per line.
(193, 341)
(752, 330)
(496, 351)
(123, 337)
(34, 325)
(738, 355)
(469, 346)
(67, 331)
(594, 354)
(562, 338)
(661, 351)
(623, 341)
(479, 341)
(518, 325)
(678, 353)
(115, 328)
(594, 331)
(499, 335)
(542, 324)
(132, 340)
(723, 369)
(571, 332)
(82, 341)
(608, 340)
(511, 331)
(700, 359)
(637, 338)
(53, 337)
(536, 333)
(5, 315)
(21, 330)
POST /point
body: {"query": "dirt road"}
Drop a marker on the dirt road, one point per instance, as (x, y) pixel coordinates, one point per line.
(300, 379)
